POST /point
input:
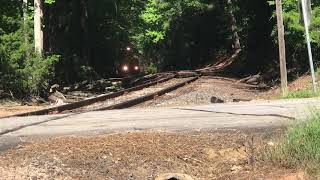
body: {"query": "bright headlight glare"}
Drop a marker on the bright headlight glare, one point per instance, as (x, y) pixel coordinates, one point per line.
(125, 68)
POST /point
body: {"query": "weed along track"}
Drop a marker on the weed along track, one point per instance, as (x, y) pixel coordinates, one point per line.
(119, 100)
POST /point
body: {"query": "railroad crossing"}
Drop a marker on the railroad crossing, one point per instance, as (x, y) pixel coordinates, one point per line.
(259, 114)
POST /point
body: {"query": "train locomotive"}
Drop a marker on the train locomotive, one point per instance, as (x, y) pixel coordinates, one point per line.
(130, 63)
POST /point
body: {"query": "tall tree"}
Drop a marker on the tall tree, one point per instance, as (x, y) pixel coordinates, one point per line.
(236, 38)
(85, 29)
(38, 31)
(25, 19)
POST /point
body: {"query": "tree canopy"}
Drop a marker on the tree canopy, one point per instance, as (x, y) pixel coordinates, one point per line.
(86, 39)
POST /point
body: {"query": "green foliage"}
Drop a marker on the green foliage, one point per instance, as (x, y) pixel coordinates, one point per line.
(38, 72)
(301, 94)
(158, 16)
(300, 148)
(50, 2)
(172, 30)
(21, 71)
(86, 73)
(151, 68)
(91, 37)
(295, 37)
(9, 16)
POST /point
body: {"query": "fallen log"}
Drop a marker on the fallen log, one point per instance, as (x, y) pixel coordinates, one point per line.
(252, 79)
(186, 74)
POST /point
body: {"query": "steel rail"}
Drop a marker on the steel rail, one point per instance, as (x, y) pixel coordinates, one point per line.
(86, 102)
(147, 97)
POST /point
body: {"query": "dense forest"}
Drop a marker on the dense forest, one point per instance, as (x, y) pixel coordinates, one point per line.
(86, 39)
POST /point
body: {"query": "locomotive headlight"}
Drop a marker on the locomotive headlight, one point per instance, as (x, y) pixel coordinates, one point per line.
(125, 68)
(136, 68)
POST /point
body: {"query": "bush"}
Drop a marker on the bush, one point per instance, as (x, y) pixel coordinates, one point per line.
(86, 72)
(38, 72)
(32, 77)
(23, 72)
(152, 68)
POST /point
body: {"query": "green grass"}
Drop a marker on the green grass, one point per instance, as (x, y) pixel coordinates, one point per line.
(301, 94)
(300, 148)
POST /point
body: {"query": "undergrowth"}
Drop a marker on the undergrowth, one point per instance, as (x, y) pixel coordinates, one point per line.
(301, 94)
(300, 148)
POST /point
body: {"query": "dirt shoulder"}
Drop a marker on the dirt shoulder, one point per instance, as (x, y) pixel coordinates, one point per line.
(145, 155)
(9, 107)
(302, 83)
(224, 89)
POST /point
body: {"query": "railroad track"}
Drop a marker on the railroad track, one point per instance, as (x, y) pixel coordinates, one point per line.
(137, 97)
(118, 100)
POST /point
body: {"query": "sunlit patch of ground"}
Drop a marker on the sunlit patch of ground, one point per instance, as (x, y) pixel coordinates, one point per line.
(201, 92)
(8, 108)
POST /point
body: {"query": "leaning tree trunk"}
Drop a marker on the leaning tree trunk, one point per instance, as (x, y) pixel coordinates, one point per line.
(235, 35)
(223, 64)
(38, 31)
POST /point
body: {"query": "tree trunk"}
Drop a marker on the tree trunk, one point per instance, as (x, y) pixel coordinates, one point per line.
(38, 31)
(282, 48)
(235, 35)
(25, 20)
(85, 31)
